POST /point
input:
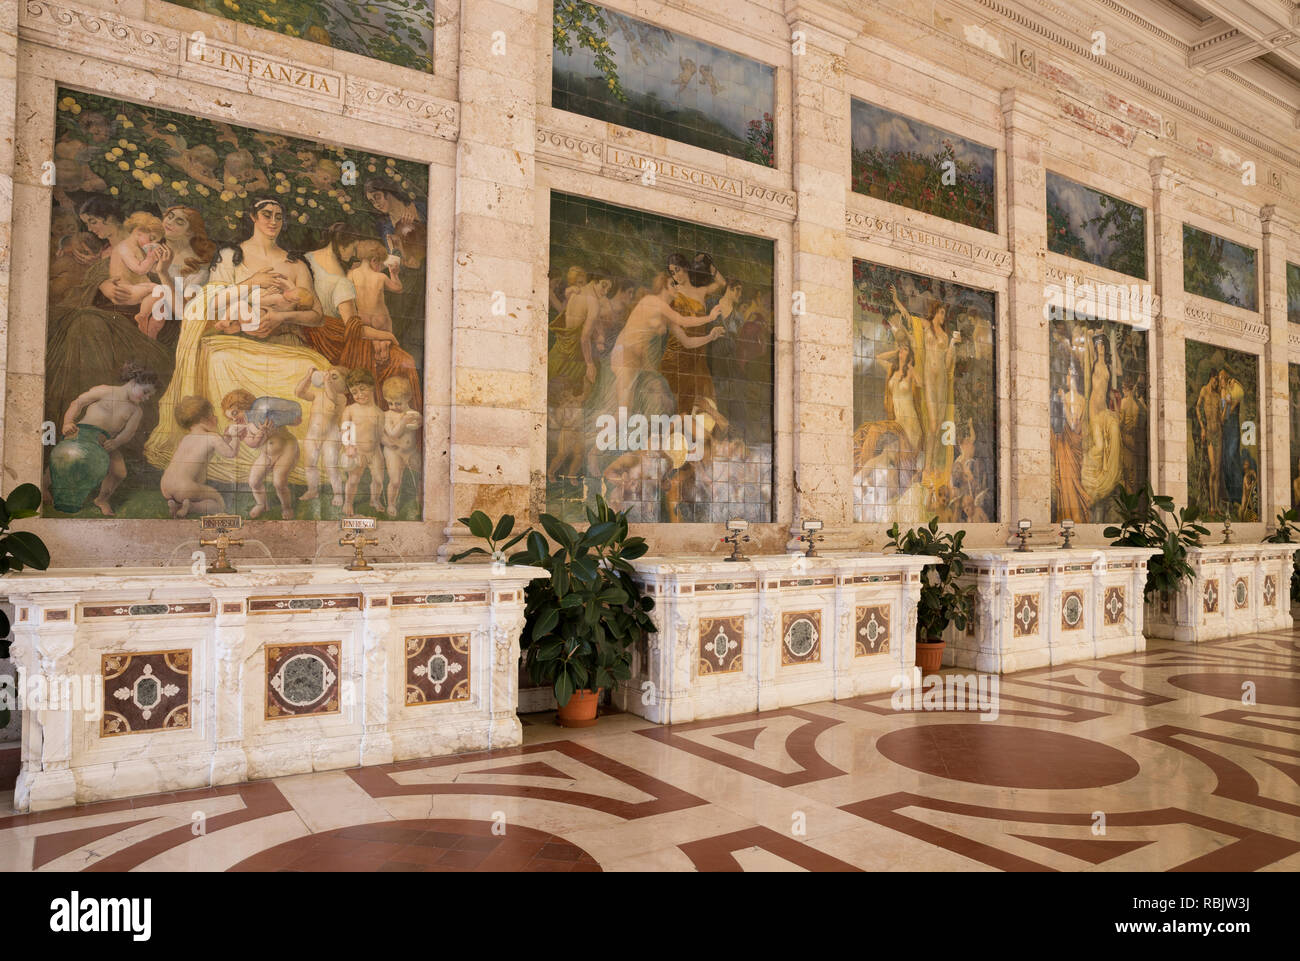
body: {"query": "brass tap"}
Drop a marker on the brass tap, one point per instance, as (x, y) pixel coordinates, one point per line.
(811, 538)
(358, 542)
(222, 542)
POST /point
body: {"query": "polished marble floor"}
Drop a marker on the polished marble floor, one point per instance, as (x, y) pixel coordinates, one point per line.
(1178, 758)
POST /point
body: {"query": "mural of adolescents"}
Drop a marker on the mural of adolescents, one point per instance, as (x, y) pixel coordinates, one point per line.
(1232, 394)
(403, 225)
(691, 287)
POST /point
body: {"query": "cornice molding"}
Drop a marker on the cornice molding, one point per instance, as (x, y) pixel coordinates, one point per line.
(892, 233)
(597, 156)
(70, 27)
(1202, 322)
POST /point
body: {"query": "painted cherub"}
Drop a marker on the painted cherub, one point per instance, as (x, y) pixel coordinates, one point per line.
(371, 279)
(135, 257)
(401, 438)
(362, 431)
(112, 414)
(261, 424)
(185, 480)
(326, 391)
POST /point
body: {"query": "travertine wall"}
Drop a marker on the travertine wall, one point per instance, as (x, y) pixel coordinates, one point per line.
(1135, 123)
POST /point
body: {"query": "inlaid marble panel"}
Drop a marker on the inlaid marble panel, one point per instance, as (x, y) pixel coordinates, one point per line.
(801, 637)
(1113, 606)
(1210, 596)
(302, 679)
(1241, 593)
(1223, 432)
(145, 692)
(722, 644)
(872, 630)
(1072, 611)
(1270, 590)
(1024, 612)
(437, 669)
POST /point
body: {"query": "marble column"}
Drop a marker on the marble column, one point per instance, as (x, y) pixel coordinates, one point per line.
(493, 359)
(822, 292)
(1168, 351)
(223, 709)
(8, 112)
(371, 696)
(1025, 121)
(1275, 492)
(44, 656)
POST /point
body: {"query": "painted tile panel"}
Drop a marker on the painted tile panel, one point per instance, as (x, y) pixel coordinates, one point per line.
(1089, 225)
(236, 321)
(1219, 269)
(659, 367)
(1293, 395)
(623, 70)
(395, 31)
(924, 399)
(1222, 432)
(1099, 417)
(1293, 293)
(907, 162)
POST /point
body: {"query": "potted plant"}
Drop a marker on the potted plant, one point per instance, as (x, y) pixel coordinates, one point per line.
(1142, 524)
(943, 600)
(581, 622)
(18, 549)
(1288, 532)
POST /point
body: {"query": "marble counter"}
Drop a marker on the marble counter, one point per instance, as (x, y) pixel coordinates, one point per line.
(1050, 606)
(144, 680)
(1237, 589)
(770, 632)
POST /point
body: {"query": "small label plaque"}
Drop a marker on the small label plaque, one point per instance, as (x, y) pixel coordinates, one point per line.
(737, 524)
(357, 523)
(220, 522)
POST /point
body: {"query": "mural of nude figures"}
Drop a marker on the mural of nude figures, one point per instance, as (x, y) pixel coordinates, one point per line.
(659, 367)
(236, 321)
(1222, 432)
(924, 399)
(1099, 417)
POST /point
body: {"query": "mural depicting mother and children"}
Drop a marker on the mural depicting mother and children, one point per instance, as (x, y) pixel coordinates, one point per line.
(233, 315)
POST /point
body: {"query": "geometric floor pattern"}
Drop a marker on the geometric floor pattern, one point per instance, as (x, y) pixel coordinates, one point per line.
(1178, 758)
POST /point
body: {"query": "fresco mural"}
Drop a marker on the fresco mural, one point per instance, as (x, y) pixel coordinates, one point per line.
(622, 70)
(236, 321)
(1293, 293)
(659, 368)
(908, 162)
(1293, 393)
(1099, 417)
(1089, 225)
(1222, 432)
(925, 399)
(1219, 269)
(395, 31)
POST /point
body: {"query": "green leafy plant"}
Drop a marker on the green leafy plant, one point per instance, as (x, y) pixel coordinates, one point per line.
(575, 20)
(1143, 524)
(1288, 532)
(581, 622)
(943, 600)
(18, 549)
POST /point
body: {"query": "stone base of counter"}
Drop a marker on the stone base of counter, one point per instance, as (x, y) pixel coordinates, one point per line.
(1043, 607)
(151, 681)
(771, 632)
(1237, 589)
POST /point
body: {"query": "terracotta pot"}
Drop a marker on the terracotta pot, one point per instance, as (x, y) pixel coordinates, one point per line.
(929, 656)
(580, 711)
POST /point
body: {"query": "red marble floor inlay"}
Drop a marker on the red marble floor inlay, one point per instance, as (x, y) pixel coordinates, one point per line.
(1007, 756)
(48, 847)
(1278, 691)
(424, 845)
(1092, 850)
(715, 854)
(527, 769)
(746, 738)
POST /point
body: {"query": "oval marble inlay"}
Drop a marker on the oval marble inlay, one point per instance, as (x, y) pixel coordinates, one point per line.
(139, 610)
(800, 637)
(438, 668)
(303, 679)
(440, 598)
(306, 604)
(1007, 756)
(146, 691)
(1073, 610)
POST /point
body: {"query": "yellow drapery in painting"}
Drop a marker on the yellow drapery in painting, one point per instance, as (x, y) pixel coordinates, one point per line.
(211, 365)
(940, 472)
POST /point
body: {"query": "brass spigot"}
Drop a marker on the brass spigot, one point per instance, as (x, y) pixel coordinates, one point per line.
(223, 524)
(1024, 534)
(811, 537)
(358, 542)
(736, 533)
(1227, 530)
(1067, 532)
